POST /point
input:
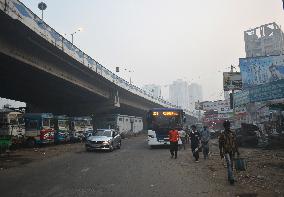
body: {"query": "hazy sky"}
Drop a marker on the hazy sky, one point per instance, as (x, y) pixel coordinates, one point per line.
(163, 40)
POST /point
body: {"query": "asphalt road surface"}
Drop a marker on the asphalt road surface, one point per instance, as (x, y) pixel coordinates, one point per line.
(134, 170)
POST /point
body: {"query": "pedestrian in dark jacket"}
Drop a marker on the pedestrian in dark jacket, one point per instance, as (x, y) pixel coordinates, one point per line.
(228, 147)
(195, 142)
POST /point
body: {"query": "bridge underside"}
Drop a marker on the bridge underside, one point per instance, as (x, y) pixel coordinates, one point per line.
(48, 80)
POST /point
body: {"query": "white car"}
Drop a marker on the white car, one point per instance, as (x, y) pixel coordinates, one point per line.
(104, 139)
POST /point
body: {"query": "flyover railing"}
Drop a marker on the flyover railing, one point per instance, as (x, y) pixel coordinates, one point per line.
(18, 11)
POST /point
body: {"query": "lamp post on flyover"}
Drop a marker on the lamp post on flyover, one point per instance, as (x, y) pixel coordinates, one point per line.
(42, 6)
(72, 35)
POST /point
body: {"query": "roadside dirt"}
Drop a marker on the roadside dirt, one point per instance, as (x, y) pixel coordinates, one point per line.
(20, 157)
(264, 175)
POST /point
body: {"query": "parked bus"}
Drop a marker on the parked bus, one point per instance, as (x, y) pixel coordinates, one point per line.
(61, 126)
(12, 126)
(80, 127)
(39, 128)
(160, 121)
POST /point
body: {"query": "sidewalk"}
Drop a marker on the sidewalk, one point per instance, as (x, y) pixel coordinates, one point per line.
(264, 176)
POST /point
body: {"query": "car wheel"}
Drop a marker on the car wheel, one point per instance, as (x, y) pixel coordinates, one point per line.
(119, 145)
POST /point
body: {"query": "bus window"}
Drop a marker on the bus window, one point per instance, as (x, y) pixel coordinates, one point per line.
(45, 122)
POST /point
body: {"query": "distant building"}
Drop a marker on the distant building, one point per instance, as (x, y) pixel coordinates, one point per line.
(264, 40)
(179, 93)
(195, 95)
(154, 90)
(215, 112)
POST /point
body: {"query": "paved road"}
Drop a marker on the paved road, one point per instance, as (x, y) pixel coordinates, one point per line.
(135, 170)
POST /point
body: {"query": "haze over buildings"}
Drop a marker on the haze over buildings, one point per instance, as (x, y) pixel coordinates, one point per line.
(178, 93)
(195, 95)
(154, 90)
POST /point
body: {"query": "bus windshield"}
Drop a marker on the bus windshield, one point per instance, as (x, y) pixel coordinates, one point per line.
(165, 119)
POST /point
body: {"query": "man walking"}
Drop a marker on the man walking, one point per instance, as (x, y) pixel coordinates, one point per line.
(205, 137)
(228, 147)
(195, 141)
(173, 138)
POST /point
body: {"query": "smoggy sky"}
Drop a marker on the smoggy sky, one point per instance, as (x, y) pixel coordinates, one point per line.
(163, 40)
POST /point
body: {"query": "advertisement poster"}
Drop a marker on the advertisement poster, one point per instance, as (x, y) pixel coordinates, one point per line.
(241, 98)
(265, 92)
(232, 81)
(260, 70)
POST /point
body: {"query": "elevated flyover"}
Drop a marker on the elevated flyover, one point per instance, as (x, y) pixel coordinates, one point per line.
(40, 67)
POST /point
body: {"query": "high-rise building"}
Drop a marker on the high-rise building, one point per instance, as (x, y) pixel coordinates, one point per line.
(178, 93)
(264, 40)
(195, 95)
(154, 90)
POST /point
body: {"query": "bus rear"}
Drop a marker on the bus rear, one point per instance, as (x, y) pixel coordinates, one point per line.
(160, 121)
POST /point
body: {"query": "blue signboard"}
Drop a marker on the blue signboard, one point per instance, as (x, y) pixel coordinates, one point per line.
(241, 98)
(264, 92)
(260, 70)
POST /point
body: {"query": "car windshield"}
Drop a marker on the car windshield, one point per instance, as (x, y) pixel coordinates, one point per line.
(106, 133)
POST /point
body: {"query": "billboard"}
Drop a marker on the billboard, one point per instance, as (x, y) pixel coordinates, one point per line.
(260, 70)
(222, 106)
(232, 81)
(264, 92)
(241, 98)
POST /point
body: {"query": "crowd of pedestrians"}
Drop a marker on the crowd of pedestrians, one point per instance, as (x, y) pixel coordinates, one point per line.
(199, 141)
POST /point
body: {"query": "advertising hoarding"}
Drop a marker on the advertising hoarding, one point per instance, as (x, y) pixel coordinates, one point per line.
(232, 81)
(260, 70)
(222, 106)
(241, 98)
(264, 92)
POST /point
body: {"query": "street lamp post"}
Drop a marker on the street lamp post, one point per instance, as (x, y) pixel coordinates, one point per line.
(72, 35)
(42, 6)
(130, 71)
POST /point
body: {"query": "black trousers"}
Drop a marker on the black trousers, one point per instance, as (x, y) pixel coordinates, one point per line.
(195, 151)
(174, 148)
